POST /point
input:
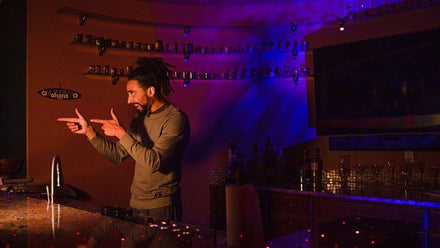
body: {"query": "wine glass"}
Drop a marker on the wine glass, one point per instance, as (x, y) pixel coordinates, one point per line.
(434, 172)
(391, 166)
(421, 167)
(376, 169)
(406, 173)
(344, 168)
(360, 169)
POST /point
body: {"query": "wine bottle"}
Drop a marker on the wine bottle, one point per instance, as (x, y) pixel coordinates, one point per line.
(316, 170)
(305, 172)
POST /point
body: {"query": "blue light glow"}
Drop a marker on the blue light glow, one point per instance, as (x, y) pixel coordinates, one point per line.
(392, 201)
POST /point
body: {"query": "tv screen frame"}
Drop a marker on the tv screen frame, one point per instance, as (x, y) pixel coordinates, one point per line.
(384, 85)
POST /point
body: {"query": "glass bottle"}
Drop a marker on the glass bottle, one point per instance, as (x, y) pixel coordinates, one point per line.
(269, 160)
(305, 171)
(254, 165)
(344, 171)
(316, 170)
(281, 162)
(231, 163)
(280, 168)
(268, 153)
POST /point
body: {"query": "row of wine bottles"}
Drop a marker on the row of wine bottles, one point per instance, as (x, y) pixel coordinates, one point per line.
(310, 173)
(258, 168)
(267, 167)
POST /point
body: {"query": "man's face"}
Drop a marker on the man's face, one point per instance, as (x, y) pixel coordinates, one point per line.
(137, 96)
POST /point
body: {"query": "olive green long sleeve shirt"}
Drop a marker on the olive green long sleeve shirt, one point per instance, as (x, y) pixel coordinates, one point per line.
(158, 152)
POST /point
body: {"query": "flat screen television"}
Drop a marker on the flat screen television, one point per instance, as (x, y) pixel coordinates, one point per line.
(387, 85)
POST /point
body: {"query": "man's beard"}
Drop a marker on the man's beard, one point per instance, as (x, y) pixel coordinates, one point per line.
(137, 124)
(146, 109)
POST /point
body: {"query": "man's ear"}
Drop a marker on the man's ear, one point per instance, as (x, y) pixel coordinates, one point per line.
(151, 91)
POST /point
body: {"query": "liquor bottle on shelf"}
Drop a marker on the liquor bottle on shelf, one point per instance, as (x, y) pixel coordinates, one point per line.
(232, 158)
(235, 168)
(281, 163)
(316, 170)
(269, 154)
(279, 175)
(254, 166)
(269, 160)
(305, 172)
(344, 172)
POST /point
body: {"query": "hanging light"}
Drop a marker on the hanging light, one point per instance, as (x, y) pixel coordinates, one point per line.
(295, 77)
(185, 56)
(187, 50)
(295, 50)
(186, 82)
(341, 23)
(293, 28)
(82, 19)
(186, 30)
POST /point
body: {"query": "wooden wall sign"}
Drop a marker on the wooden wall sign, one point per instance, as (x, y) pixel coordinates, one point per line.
(59, 94)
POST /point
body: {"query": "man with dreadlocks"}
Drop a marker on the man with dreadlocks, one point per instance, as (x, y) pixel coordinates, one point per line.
(156, 140)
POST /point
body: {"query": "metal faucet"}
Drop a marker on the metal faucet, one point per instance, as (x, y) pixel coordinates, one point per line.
(56, 177)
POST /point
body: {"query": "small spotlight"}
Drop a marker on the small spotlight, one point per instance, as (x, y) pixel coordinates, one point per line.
(293, 28)
(295, 77)
(341, 24)
(189, 47)
(186, 82)
(115, 79)
(100, 42)
(294, 53)
(185, 56)
(186, 31)
(302, 70)
(101, 50)
(82, 19)
(295, 50)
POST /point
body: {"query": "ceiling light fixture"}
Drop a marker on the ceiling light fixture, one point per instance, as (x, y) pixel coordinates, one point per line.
(186, 82)
(341, 23)
(186, 30)
(293, 28)
(82, 19)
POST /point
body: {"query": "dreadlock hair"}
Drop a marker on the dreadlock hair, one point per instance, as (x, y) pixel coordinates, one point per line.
(153, 72)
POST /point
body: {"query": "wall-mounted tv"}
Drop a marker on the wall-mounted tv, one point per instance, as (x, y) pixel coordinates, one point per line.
(386, 85)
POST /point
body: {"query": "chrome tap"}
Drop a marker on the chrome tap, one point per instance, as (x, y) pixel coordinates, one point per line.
(56, 177)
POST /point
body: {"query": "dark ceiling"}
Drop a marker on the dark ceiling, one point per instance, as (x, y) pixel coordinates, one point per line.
(224, 2)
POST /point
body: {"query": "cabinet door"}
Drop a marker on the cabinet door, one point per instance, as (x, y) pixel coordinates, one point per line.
(282, 224)
(289, 203)
(434, 229)
(326, 208)
(434, 240)
(434, 222)
(288, 213)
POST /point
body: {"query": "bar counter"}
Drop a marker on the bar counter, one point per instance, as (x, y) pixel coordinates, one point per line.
(289, 210)
(30, 222)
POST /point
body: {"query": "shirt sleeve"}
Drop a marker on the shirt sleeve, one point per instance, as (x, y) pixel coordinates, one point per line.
(167, 148)
(112, 151)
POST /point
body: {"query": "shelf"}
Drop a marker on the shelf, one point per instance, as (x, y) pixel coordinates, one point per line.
(230, 50)
(68, 11)
(106, 18)
(102, 45)
(185, 81)
(111, 50)
(100, 76)
(96, 76)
